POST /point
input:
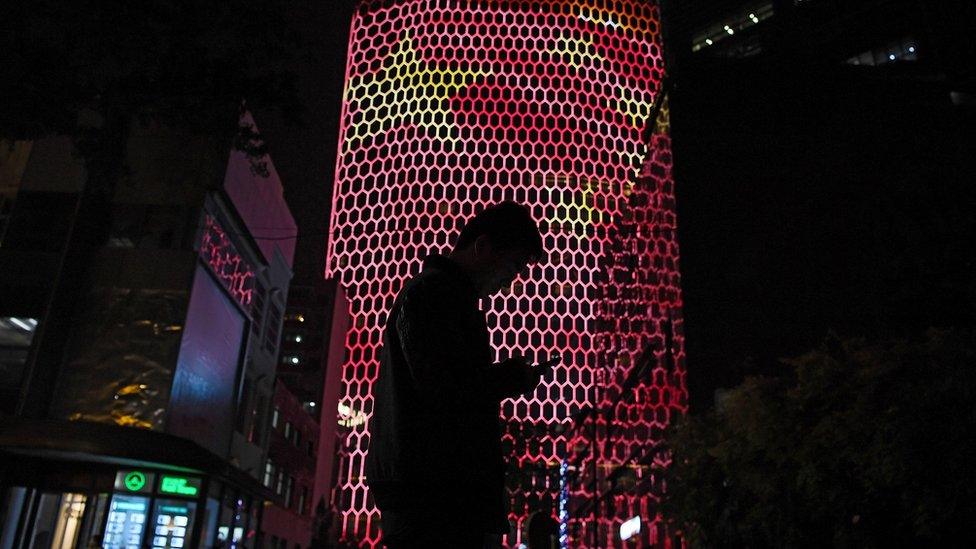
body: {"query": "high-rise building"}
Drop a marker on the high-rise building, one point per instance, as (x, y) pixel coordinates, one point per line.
(452, 106)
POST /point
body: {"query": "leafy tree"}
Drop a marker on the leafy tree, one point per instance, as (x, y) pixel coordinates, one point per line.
(860, 444)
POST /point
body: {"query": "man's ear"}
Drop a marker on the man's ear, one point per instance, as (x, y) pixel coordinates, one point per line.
(482, 246)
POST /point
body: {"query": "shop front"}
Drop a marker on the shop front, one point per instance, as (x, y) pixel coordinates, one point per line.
(59, 499)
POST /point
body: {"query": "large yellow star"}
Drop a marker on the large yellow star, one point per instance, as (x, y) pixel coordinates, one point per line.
(407, 90)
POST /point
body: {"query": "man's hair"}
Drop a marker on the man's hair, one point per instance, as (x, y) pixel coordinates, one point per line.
(508, 225)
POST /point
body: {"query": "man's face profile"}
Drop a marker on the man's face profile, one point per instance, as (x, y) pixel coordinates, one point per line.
(500, 266)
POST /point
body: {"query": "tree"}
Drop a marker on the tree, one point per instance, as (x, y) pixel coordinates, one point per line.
(91, 69)
(858, 444)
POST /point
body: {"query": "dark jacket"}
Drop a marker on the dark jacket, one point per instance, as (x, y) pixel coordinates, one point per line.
(435, 437)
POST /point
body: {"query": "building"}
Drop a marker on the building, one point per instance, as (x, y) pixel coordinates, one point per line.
(137, 402)
(290, 472)
(823, 166)
(450, 107)
(306, 409)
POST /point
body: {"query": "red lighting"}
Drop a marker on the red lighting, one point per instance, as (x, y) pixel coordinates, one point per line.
(220, 254)
(452, 106)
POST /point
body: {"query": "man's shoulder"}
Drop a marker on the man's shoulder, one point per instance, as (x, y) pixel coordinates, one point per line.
(431, 282)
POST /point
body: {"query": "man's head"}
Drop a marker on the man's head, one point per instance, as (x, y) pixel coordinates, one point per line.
(498, 244)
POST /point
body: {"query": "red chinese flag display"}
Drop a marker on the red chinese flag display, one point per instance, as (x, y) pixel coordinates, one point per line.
(450, 106)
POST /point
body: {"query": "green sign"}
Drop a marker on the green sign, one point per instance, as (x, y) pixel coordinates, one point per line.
(181, 486)
(135, 481)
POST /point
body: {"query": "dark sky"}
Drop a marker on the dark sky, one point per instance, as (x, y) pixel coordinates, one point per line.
(305, 154)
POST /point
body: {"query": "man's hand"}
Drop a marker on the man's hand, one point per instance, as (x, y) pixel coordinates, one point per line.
(519, 377)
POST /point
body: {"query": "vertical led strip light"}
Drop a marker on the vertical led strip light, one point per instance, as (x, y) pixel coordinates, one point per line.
(450, 106)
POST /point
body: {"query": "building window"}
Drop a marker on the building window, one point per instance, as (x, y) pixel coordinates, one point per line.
(296, 438)
(280, 482)
(269, 474)
(257, 430)
(257, 307)
(289, 487)
(289, 428)
(271, 332)
(244, 410)
(275, 417)
(302, 501)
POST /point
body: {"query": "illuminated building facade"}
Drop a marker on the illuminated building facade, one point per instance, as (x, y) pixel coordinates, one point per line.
(449, 107)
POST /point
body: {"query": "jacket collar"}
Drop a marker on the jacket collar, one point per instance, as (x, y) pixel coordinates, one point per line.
(449, 266)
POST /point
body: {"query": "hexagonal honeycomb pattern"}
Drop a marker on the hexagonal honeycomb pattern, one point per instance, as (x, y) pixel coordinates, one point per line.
(451, 106)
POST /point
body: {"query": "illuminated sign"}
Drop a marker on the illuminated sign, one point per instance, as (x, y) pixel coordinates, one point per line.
(630, 528)
(181, 486)
(134, 481)
(126, 522)
(172, 523)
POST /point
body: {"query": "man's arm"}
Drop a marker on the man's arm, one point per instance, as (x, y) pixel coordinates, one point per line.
(439, 354)
(442, 358)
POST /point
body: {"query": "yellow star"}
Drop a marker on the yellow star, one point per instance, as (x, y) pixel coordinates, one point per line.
(407, 90)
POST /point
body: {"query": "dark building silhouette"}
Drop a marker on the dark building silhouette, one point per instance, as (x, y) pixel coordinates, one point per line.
(144, 418)
(823, 169)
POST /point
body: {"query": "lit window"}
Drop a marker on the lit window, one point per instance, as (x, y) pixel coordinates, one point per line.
(302, 500)
(280, 482)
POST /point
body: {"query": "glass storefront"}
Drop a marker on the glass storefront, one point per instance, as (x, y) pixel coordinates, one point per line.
(145, 509)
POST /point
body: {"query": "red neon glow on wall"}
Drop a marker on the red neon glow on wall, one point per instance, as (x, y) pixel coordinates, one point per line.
(220, 254)
(452, 106)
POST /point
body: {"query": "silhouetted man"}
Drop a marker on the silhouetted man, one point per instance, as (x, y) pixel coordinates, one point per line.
(435, 466)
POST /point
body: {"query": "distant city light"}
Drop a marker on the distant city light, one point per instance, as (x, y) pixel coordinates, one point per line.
(709, 41)
(729, 30)
(294, 360)
(298, 339)
(891, 56)
(911, 49)
(26, 323)
(312, 404)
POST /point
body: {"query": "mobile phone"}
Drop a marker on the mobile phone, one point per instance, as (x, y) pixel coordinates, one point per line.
(548, 364)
